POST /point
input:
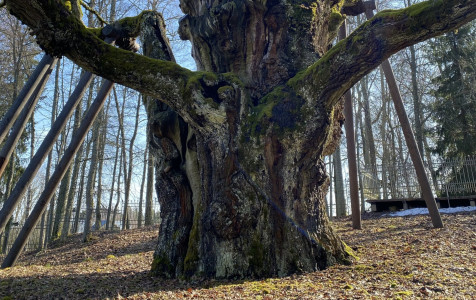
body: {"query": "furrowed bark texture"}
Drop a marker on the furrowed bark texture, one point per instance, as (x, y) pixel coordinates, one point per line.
(239, 143)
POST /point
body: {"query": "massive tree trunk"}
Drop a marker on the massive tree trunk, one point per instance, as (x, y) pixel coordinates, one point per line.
(240, 143)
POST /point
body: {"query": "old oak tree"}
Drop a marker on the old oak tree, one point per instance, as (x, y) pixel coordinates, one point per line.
(239, 143)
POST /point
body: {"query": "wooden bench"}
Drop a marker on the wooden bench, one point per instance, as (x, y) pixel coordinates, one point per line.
(406, 203)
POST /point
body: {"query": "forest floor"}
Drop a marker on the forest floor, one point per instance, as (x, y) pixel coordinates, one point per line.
(399, 258)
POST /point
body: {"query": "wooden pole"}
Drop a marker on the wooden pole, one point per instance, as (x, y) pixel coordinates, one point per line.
(45, 147)
(58, 174)
(351, 156)
(12, 114)
(22, 119)
(410, 139)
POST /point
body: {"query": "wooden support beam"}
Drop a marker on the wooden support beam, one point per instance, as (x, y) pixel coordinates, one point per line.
(12, 114)
(58, 174)
(23, 117)
(409, 137)
(45, 148)
(351, 156)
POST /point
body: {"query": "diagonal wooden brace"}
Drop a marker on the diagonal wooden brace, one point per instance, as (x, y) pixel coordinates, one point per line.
(58, 174)
(409, 137)
(22, 120)
(27, 91)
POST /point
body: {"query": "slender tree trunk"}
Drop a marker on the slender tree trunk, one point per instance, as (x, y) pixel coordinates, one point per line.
(102, 145)
(434, 176)
(57, 217)
(142, 185)
(98, 220)
(148, 218)
(74, 178)
(62, 205)
(341, 209)
(79, 200)
(41, 240)
(403, 167)
(120, 114)
(49, 219)
(91, 182)
(114, 178)
(369, 135)
(62, 200)
(393, 157)
(45, 217)
(359, 167)
(114, 213)
(383, 136)
(29, 196)
(131, 154)
(368, 141)
(127, 166)
(16, 57)
(417, 110)
(8, 188)
(331, 192)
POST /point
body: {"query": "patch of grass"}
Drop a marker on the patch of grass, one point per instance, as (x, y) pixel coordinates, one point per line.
(404, 293)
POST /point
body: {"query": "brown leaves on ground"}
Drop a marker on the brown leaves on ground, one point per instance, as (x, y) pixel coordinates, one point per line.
(400, 258)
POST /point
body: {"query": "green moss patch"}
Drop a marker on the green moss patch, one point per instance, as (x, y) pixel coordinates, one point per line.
(162, 266)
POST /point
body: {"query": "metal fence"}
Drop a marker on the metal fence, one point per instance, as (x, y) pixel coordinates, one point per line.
(448, 177)
(34, 241)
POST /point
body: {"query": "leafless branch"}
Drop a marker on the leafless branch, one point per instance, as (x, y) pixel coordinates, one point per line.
(103, 22)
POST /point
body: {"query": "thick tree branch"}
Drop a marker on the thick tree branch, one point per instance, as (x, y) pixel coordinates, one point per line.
(376, 40)
(60, 33)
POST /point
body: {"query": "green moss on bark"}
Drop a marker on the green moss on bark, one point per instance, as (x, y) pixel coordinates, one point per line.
(350, 253)
(335, 20)
(190, 264)
(68, 5)
(161, 266)
(256, 256)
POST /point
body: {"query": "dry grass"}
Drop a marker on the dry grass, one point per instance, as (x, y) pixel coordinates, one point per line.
(399, 258)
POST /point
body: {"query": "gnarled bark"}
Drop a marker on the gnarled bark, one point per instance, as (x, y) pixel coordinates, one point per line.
(241, 179)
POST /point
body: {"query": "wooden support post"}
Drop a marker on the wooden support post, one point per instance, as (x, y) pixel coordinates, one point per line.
(351, 156)
(57, 176)
(42, 152)
(22, 119)
(40, 155)
(409, 138)
(25, 94)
